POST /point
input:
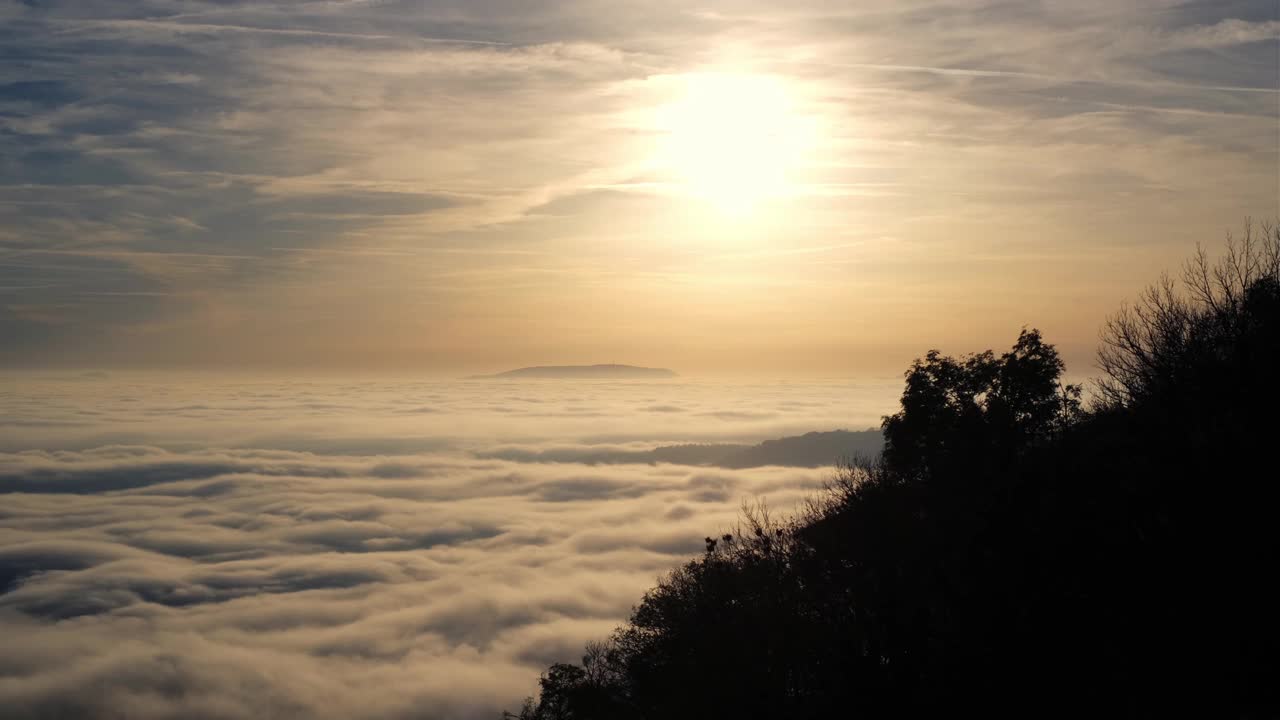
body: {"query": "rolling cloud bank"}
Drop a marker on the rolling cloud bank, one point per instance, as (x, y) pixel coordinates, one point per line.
(351, 550)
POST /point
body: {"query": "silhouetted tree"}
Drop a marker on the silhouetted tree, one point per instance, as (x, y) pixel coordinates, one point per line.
(1150, 349)
(727, 618)
(980, 408)
(594, 690)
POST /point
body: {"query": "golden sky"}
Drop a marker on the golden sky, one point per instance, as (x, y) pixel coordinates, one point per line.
(737, 187)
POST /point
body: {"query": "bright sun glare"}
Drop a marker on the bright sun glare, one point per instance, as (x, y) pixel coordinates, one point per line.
(733, 140)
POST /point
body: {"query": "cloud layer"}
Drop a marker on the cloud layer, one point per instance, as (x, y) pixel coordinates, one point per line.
(304, 570)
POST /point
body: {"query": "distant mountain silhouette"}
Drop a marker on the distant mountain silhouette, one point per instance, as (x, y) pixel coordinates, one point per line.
(582, 372)
(815, 449)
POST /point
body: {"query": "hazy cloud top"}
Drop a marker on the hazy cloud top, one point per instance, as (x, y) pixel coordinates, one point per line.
(259, 551)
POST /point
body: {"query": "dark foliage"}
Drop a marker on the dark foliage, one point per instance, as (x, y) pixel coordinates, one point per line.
(1010, 553)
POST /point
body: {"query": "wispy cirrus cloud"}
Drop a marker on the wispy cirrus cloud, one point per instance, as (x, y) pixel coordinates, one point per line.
(498, 129)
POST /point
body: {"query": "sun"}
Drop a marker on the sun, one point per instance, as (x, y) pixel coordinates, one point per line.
(733, 140)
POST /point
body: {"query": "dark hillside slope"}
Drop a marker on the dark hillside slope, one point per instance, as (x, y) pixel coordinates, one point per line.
(1013, 554)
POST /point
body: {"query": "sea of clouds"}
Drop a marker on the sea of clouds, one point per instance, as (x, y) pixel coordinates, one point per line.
(212, 547)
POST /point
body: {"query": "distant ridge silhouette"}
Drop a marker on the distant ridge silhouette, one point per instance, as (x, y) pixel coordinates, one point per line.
(814, 449)
(582, 372)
